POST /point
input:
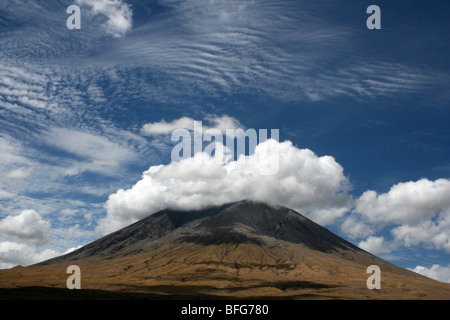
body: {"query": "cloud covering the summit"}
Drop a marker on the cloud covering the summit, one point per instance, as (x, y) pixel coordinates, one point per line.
(313, 185)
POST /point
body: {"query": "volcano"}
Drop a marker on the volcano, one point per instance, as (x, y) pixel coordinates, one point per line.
(245, 250)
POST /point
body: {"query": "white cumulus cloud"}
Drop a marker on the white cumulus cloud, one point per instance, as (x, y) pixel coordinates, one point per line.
(13, 254)
(28, 226)
(407, 202)
(436, 272)
(374, 245)
(314, 185)
(355, 228)
(417, 211)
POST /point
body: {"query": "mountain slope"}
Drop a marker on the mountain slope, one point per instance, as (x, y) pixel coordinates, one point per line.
(244, 249)
(241, 222)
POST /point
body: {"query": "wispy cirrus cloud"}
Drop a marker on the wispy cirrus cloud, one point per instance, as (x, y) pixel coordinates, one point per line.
(281, 49)
(97, 153)
(221, 123)
(19, 173)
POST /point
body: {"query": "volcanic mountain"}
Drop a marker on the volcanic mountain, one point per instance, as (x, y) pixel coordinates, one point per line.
(239, 250)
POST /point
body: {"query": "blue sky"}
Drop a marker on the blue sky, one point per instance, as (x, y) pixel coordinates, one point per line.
(73, 105)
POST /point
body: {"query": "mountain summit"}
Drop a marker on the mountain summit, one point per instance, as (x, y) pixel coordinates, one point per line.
(244, 222)
(244, 249)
